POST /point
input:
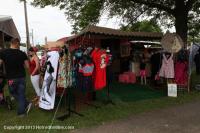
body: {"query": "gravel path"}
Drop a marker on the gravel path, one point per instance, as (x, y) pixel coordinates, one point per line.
(180, 119)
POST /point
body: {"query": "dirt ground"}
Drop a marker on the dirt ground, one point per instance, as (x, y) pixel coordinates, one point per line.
(180, 119)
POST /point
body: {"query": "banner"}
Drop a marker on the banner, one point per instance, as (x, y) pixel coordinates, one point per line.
(48, 91)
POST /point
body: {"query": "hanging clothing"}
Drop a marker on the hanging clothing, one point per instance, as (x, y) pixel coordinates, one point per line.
(156, 62)
(100, 60)
(78, 53)
(181, 72)
(64, 79)
(69, 70)
(76, 76)
(62, 72)
(167, 68)
(87, 84)
(197, 62)
(87, 69)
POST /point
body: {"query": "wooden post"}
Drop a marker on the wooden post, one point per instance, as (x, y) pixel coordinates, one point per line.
(27, 29)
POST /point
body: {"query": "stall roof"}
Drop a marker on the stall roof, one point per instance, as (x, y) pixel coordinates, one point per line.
(8, 27)
(103, 31)
(56, 44)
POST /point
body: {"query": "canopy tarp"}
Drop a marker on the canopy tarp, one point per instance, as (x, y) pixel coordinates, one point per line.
(7, 26)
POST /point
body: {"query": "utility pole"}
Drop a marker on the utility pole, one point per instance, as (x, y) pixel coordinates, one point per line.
(45, 39)
(27, 29)
(32, 38)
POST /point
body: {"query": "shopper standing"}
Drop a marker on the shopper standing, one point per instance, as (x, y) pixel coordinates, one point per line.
(34, 64)
(143, 71)
(15, 62)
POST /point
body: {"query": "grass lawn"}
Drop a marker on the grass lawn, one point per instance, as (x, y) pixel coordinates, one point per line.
(129, 100)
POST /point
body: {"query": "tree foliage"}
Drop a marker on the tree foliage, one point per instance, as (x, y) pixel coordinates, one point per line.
(180, 13)
(144, 26)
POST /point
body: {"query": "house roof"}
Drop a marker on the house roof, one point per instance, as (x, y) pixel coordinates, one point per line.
(8, 27)
(103, 31)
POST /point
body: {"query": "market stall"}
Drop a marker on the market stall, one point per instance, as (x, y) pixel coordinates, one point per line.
(116, 40)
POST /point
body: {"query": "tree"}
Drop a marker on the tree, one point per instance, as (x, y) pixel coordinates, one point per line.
(194, 32)
(179, 13)
(145, 26)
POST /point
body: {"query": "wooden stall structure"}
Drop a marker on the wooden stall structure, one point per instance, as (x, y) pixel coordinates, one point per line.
(8, 30)
(118, 41)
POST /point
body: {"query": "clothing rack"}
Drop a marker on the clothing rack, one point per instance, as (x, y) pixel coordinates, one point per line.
(92, 105)
(69, 109)
(68, 98)
(108, 100)
(82, 45)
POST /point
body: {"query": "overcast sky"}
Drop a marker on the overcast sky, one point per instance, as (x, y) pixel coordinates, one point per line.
(50, 21)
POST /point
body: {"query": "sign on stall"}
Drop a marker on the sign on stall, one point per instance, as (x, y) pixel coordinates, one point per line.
(172, 90)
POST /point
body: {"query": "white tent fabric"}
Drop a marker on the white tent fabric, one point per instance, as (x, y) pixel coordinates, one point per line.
(8, 27)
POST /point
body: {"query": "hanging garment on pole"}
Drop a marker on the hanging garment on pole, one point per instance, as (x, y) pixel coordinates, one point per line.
(48, 92)
(86, 71)
(100, 60)
(69, 70)
(167, 68)
(62, 72)
(181, 73)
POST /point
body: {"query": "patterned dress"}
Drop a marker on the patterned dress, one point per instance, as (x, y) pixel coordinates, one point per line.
(64, 78)
(62, 72)
(167, 68)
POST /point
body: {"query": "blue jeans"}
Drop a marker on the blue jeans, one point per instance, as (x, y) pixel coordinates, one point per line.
(17, 89)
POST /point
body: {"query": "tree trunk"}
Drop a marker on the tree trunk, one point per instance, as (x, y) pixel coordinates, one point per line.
(181, 21)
